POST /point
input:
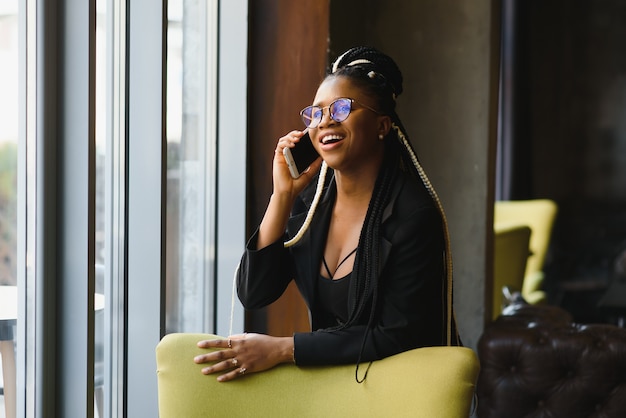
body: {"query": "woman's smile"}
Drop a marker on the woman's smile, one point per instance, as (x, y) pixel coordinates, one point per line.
(330, 140)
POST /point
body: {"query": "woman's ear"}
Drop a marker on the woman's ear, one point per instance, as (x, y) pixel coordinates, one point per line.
(384, 125)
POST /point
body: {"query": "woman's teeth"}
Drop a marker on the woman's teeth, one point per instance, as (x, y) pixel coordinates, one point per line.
(331, 139)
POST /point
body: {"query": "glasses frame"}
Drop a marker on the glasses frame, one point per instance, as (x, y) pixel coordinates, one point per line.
(314, 123)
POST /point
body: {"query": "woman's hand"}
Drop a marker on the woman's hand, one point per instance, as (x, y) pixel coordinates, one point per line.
(283, 182)
(244, 354)
(286, 188)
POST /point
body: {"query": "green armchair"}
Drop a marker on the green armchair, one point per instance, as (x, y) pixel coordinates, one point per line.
(425, 382)
(510, 255)
(539, 215)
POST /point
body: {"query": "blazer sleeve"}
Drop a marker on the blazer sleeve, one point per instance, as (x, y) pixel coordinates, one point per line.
(264, 274)
(411, 303)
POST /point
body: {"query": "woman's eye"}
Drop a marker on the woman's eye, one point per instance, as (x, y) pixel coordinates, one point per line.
(342, 110)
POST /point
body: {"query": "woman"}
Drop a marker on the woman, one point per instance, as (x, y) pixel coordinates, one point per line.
(370, 254)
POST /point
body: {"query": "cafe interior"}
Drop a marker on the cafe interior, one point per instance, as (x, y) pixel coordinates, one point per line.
(517, 110)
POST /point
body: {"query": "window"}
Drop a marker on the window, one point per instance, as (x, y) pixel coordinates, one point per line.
(191, 165)
(131, 193)
(8, 202)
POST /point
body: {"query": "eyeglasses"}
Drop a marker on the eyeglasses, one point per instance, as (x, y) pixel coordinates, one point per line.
(339, 111)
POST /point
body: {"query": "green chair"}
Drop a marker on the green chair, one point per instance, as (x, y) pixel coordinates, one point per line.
(539, 215)
(425, 382)
(510, 255)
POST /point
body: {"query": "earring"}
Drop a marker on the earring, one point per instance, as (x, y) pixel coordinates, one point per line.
(380, 137)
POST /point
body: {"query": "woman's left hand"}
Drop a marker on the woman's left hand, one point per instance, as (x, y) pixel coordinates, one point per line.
(244, 354)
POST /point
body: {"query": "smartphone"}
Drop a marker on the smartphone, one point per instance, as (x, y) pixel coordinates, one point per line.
(300, 157)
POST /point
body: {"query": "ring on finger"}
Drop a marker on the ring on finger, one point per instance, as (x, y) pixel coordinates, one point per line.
(230, 343)
(242, 371)
(234, 361)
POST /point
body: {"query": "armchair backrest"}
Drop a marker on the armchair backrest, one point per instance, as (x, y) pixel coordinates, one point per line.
(539, 215)
(510, 255)
(425, 382)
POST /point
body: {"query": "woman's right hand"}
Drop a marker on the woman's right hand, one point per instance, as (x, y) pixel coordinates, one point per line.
(286, 188)
(284, 183)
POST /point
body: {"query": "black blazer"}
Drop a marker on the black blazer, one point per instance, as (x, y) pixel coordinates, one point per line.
(412, 300)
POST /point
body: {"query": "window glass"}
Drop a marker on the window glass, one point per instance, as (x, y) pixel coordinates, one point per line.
(190, 164)
(8, 202)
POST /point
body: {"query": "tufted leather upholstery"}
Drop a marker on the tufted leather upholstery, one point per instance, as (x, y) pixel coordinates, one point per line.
(536, 363)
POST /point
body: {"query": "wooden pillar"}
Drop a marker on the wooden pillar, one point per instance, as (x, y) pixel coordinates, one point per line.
(288, 58)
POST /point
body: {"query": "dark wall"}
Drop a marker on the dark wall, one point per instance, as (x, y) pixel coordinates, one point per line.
(573, 127)
(578, 97)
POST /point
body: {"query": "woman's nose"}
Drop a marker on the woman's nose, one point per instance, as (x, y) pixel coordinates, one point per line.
(326, 117)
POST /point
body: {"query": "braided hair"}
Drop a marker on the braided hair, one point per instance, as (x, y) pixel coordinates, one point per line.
(379, 78)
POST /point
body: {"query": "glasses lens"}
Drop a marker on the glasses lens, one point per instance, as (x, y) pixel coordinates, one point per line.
(311, 116)
(340, 109)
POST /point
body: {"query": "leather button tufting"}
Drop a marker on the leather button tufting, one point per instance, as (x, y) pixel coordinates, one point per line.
(552, 369)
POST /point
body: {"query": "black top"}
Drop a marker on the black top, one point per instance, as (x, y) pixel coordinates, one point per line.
(411, 306)
(332, 300)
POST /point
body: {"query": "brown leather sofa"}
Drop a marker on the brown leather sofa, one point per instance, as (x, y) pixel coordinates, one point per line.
(536, 363)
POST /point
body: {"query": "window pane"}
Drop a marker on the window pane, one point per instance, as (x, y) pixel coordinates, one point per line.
(190, 164)
(110, 216)
(8, 202)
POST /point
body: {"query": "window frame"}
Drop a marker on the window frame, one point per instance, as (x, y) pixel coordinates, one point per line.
(55, 221)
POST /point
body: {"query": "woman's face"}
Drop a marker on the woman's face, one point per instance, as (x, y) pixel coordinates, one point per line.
(354, 144)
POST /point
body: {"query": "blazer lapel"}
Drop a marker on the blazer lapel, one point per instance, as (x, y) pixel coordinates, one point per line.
(385, 245)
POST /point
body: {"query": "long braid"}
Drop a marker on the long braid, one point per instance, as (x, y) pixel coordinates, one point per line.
(448, 251)
(309, 216)
(367, 260)
(369, 241)
(371, 238)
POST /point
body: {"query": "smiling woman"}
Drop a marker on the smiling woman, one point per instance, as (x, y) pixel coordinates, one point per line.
(368, 234)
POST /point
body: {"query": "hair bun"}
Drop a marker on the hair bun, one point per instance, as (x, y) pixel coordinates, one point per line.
(373, 60)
